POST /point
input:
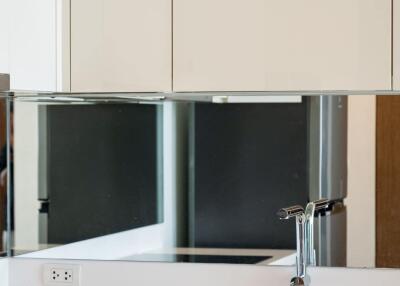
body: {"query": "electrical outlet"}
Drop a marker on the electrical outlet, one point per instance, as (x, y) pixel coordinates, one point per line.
(61, 275)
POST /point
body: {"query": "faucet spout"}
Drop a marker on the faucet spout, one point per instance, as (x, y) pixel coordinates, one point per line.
(298, 213)
(304, 235)
(311, 210)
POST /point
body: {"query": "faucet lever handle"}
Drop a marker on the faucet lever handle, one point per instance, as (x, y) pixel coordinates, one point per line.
(321, 204)
(293, 211)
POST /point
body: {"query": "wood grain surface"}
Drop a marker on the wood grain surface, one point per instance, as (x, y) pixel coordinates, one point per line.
(388, 182)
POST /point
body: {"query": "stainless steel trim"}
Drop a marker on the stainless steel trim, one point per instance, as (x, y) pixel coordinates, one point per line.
(4, 82)
(286, 213)
(9, 234)
(332, 232)
(327, 161)
(328, 147)
(257, 99)
(208, 96)
(43, 228)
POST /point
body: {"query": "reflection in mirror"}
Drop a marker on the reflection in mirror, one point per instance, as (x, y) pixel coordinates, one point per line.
(3, 178)
(193, 181)
(83, 171)
(251, 158)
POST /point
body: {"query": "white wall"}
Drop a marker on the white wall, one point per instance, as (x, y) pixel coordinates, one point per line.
(4, 35)
(174, 158)
(26, 175)
(361, 182)
(28, 43)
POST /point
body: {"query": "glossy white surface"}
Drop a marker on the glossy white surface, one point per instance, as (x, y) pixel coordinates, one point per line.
(28, 43)
(121, 45)
(396, 44)
(255, 45)
(108, 247)
(286, 260)
(353, 277)
(3, 271)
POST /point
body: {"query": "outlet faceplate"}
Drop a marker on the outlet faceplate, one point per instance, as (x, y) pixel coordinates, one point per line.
(61, 275)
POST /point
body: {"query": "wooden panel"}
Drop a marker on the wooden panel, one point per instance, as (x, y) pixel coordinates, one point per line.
(388, 182)
(282, 45)
(121, 45)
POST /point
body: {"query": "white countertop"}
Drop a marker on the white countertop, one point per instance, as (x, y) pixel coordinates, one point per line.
(28, 271)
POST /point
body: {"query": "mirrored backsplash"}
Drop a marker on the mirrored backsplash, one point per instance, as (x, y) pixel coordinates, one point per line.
(187, 179)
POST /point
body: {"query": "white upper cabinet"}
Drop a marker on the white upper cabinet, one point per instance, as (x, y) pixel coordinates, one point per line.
(396, 44)
(121, 45)
(256, 45)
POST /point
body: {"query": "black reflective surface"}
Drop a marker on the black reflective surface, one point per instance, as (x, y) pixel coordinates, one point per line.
(196, 258)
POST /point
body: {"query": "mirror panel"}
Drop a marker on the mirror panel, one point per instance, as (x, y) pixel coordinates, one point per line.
(190, 177)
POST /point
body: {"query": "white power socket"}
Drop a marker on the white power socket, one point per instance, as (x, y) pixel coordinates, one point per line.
(61, 274)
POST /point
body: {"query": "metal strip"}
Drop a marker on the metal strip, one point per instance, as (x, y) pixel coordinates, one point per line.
(4, 82)
(8, 142)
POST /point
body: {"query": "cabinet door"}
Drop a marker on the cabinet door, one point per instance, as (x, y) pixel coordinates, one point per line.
(253, 45)
(121, 45)
(396, 44)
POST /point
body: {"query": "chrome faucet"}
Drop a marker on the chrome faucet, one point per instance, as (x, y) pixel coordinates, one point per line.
(312, 209)
(304, 236)
(298, 213)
